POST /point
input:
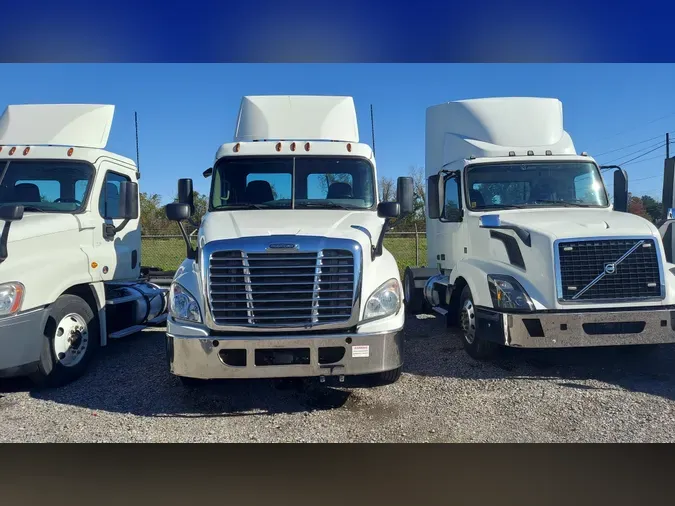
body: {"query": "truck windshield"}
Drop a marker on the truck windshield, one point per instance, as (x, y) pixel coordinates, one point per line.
(545, 184)
(316, 182)
(45, 186)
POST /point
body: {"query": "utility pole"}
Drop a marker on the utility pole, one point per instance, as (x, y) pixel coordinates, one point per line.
(372, 127)
(667, 145)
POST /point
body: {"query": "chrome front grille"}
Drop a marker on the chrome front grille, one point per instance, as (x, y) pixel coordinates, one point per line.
(284, 289)
(616, 269)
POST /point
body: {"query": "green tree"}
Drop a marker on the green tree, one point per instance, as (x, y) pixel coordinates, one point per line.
(653, 207)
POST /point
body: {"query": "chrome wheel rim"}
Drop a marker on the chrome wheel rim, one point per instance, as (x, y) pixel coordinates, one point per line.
(468, 321)
(71, 339)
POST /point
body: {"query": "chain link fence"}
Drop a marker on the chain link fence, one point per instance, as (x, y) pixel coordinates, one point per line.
(166, 252)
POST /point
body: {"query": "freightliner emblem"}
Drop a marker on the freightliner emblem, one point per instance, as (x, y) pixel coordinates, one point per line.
(282, 246)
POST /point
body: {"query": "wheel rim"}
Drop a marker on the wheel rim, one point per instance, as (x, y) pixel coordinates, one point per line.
(71, 340)
(468, 321)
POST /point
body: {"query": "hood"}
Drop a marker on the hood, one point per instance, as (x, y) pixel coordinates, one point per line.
(307, 222)
(572, 222)
(41, 224)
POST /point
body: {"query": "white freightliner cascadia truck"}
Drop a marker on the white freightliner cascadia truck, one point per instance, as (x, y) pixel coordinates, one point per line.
(70, 244)
(289, 277)
(524, 247)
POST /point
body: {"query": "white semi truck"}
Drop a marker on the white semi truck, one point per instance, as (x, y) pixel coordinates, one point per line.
(524, 247)
(289, 277)
(70, 245)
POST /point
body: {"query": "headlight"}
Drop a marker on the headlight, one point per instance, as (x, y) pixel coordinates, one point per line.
(11, 297)
(384, 301)
(507, 293)
(182, 305)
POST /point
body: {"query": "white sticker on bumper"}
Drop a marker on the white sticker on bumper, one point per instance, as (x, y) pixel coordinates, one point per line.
(360, 351)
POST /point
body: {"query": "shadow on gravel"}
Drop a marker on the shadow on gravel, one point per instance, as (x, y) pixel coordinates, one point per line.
(433, 350)
(131, 376)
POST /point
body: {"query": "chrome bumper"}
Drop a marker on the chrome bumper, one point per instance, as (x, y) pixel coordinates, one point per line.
(200, 357)
(578, 329)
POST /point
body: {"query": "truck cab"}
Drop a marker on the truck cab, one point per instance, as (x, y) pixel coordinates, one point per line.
(525, 248)
(289, 277)
(70, 249)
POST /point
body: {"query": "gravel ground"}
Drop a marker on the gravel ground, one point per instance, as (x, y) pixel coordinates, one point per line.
(587, 395)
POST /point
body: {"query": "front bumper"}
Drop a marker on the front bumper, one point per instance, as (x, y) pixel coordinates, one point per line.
(577, 329)
(21, 341)
(318, 355)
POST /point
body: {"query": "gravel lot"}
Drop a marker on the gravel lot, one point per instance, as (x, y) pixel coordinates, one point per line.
(589, 395)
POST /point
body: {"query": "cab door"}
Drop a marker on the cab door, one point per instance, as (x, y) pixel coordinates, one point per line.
(120, 250)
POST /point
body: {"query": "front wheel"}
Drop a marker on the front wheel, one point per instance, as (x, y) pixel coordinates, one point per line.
(71, 339)
(477, 348)
(414, 297)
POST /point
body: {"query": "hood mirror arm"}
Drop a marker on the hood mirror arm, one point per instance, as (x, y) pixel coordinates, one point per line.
(493, 221)
(10, 214)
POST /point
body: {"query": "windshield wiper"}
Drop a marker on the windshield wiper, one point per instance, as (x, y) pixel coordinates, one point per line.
(564, 203)
(499, 206)
(33, 209)
(246, 206)
(327, 205)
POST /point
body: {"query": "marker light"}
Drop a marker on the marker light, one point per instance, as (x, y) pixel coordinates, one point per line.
(70, 152)
(236, 147)
(25, 151)
(278, 146)
(306, 146)
(292, 146)
(1, 149)
(11, 151)
(530, 153)
(349, 147)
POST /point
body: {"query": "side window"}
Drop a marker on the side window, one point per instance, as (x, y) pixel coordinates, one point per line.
(109, 202)
(451, 207)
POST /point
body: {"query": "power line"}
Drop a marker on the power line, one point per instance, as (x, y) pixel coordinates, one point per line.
(647, 159)
(629, 146)
(643, 154)
(659, 144)
(634, 127)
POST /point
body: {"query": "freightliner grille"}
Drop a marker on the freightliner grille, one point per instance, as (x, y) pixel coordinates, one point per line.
(629, 269)
(281, 289)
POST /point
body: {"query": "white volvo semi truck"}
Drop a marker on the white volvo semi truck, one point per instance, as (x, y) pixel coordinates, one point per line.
(70, 245)
(524, 247)
(289, 277)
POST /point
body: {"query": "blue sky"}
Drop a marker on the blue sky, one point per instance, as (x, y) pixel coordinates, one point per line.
(186, 111)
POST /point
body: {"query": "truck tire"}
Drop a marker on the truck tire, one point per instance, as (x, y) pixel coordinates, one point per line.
(476, 348)
(71, 339)
(414, 297)
(386, 378)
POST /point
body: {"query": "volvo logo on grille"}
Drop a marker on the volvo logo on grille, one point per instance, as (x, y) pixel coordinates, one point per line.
(282, 246)
(610, 268)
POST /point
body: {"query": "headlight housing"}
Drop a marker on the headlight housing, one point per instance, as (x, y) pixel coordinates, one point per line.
(11, 297)
(183, 305)
(385, 301)
(507, 293)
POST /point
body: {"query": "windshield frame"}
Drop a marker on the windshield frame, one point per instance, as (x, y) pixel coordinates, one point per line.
(505, 207)
(292, 207)
(91, 180)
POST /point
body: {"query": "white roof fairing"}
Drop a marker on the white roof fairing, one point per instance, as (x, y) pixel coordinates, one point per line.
(297, 117)
(77, 125)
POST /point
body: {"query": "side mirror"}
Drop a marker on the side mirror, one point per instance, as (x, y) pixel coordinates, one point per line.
(621, 191)
(185, 194)
(388, 209)
(208, 172)
(405, 195)
(177, 211)
(128, 200)
(670, 213)
(434, 196)
(11, 213)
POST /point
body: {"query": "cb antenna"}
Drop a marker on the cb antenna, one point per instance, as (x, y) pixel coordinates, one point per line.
(372, 127)
(138, 163)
